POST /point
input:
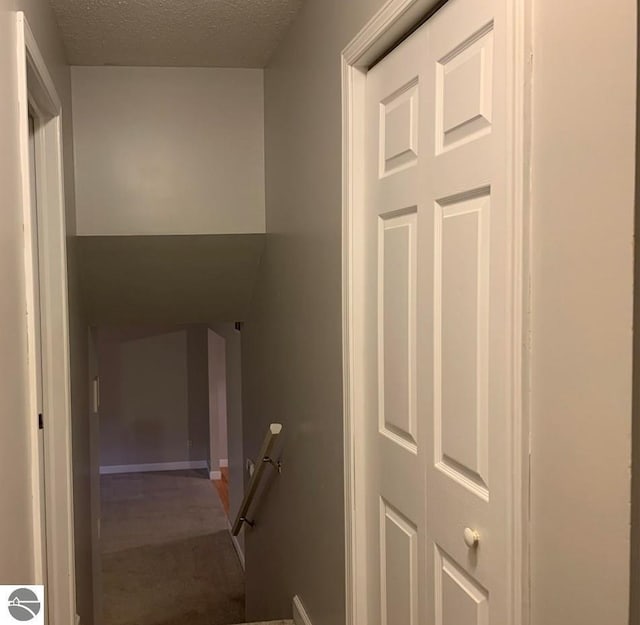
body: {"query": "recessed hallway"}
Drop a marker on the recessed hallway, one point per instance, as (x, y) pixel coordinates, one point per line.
(167, 556)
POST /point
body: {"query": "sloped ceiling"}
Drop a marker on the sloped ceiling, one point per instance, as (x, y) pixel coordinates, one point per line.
(173, 33)
(172, 279)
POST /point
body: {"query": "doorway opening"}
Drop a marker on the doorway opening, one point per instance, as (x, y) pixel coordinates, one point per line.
(36, 348)
(45, 278)
(166, 409)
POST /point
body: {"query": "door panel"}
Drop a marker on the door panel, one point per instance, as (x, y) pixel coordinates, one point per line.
(396, 438)
(459, 599)
(437, 268)
(460, 341)
(398, 567)
(464, 90)
(399, 129)
(397, 317)
(467, 478)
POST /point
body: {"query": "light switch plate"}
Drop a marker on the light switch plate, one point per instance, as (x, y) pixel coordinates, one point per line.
(251, 467)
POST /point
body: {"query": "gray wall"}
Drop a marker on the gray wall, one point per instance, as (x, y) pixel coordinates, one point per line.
(135, 279)
(153, 398)
(291, 344)
(584, 81)
(198, 392)
(583, 120)
(94, 477)
(582, 222)
(83, 466)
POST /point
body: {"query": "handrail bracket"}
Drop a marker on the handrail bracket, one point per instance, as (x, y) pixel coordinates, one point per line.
(276, 465)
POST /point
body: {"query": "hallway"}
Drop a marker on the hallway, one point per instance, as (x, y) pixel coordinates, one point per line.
(406, 232)
(167, 557)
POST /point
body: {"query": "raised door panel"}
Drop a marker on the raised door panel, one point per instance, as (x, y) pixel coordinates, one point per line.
(461, 304)
(398, 567)
(437, 253)
(396, 545)
(399, 129)
(464, 91)
(459, 599)
(397, 328)
(467, 485)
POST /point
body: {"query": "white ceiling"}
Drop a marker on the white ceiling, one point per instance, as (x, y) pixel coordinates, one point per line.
(182, 33)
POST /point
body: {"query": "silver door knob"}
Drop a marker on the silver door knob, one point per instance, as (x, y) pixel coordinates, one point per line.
(471, 538)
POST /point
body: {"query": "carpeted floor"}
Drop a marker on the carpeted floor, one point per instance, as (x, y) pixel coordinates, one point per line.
(167, 555)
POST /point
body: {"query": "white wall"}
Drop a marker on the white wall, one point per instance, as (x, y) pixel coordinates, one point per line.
(16, 562)
(235, 418)
(634, 612)
(198, 392)
(582, 220)
(217, 399)
(15, 525)
(168, 150)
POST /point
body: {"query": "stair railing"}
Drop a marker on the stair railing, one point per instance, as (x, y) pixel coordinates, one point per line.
(264, 458)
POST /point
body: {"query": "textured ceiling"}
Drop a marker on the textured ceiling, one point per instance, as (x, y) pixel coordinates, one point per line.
(199, 33)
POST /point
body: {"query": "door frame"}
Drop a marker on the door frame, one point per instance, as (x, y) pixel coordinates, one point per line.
(36, 91)
(389, 25)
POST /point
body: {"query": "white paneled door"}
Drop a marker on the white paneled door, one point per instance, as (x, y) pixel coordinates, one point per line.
(437, 245)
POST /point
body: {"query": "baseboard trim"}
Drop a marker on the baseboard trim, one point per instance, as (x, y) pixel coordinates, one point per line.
(224, 463)
(300, 616)
(153, 466)
(236, 546)
(215, 475)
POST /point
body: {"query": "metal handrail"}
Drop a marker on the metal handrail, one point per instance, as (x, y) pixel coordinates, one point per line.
(265, 458)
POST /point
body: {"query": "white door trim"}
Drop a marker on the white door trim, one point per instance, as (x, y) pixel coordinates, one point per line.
(394, 20)
(36, 90)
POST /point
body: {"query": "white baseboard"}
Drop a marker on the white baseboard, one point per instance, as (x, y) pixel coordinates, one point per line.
(215, 475)
(224, 463)
(153, 466)
(236, 546)
(300, 616)
(77, 619)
